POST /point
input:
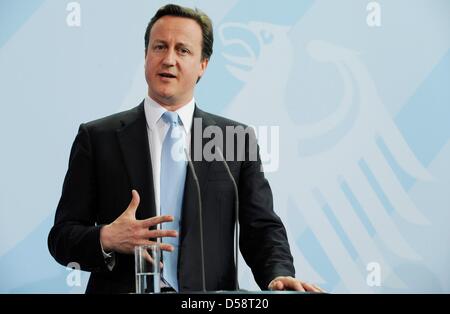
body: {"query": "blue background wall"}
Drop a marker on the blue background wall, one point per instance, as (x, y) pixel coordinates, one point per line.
(363, 175)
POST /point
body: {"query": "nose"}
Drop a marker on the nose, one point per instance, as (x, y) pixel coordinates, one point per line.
(169, 58)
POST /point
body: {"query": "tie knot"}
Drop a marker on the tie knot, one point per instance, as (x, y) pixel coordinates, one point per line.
(171, 117)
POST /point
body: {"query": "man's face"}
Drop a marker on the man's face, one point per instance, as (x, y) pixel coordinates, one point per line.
(174, 60)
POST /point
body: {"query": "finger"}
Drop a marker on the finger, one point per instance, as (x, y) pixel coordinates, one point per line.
(151, 234)
(167, 247)
(290, 283)
(318, 288)
(296, 285)
(147, 257)
(280, 285)
(150, 259)
(149, 222)
(163, 246)
(276, 285)
(310, 288)
(134, 203)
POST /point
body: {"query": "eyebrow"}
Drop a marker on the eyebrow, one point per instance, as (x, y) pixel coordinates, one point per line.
(160, 41)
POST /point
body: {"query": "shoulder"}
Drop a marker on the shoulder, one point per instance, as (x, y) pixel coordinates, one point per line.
(115, 121)
(213, 119)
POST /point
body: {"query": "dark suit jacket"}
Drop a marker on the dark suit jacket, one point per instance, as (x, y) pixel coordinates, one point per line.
(110, 157)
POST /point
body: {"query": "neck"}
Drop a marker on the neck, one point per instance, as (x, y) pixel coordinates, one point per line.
(168, 105)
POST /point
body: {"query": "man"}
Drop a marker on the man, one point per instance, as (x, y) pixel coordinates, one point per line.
(127, 155)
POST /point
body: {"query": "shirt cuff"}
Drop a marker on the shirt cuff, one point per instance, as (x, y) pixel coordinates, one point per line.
(110, 258)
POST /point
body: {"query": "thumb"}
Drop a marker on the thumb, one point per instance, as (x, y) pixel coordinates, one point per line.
(135, 199)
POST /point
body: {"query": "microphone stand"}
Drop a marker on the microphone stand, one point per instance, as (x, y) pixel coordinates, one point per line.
(236, 222)
(194, 175)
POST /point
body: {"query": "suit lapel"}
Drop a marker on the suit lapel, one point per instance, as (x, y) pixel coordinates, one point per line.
(133, 141)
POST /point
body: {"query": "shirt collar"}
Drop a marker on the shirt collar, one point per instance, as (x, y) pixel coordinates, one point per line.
(154, 111)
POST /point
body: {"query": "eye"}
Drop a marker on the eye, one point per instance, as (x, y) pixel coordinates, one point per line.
(184, 51)
(158, 47)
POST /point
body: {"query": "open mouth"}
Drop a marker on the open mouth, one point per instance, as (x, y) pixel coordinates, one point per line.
(167, 75)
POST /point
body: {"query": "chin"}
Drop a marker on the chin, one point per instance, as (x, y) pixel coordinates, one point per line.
(162, 94)
(163, 99)
(166, 97)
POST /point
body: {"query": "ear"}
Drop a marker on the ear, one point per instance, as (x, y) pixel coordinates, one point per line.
(203, 65)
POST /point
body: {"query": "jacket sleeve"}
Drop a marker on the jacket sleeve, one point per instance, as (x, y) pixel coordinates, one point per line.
(263, 239)
(75, 237)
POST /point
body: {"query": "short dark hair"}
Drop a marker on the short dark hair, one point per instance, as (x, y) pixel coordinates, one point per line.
(200, 17)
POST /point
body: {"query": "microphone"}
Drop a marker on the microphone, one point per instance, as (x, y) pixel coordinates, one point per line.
(236, 221)
(194, 175)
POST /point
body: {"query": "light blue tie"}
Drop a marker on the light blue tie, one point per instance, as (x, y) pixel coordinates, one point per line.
(173, 176)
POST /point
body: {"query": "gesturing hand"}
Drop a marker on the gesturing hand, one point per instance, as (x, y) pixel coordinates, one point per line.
(126, 232)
